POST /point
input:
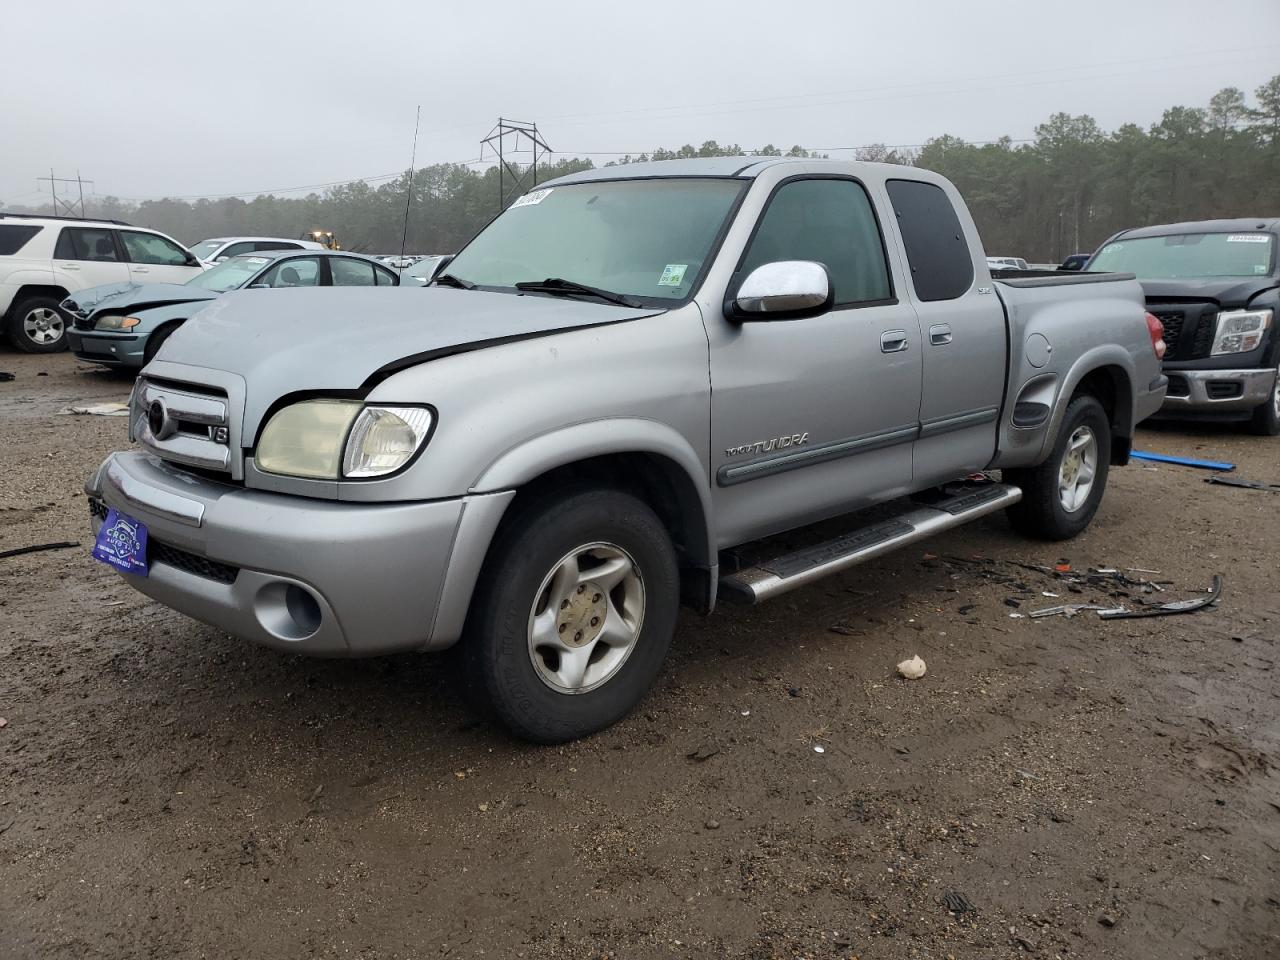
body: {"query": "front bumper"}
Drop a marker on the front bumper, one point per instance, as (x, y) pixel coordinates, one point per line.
(1217, 391)
(316, 577)
(121, 350)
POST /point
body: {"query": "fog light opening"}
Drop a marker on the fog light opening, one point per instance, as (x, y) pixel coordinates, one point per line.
(303, 608)
(288, 611)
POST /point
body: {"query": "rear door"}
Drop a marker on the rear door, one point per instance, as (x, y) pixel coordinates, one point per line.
(88, 257)
(814, 417)
(157, 259)
(964, 333)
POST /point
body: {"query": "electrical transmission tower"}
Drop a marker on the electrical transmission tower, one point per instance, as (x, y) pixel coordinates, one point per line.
(512, 137)
(60, 205)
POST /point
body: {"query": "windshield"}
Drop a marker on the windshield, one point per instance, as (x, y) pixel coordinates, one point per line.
(204, 249)
(643, 238)
(1188, 255)
(229, 274)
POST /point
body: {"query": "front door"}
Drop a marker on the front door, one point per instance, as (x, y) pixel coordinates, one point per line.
(814, 417)
(157, 259)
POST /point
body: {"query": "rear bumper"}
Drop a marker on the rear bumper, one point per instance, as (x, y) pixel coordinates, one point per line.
(316, 577)
(1217, 391)
(119, 351)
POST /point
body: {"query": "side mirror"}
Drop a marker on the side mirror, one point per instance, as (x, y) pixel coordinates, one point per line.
(783, 290)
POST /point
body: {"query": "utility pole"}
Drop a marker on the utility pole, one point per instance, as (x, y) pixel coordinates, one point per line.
(514, 136)
(69, 206)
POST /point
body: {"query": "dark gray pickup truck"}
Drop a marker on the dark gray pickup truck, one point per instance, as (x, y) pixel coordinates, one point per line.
(629, 376)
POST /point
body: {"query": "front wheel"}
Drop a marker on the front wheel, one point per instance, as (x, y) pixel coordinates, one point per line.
(38, 325)
(1266, 418)
(1061, 495)
(573, 615)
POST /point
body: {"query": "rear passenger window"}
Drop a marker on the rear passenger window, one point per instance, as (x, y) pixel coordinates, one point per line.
(13, 237)
(85, 243)
(941, 264)
(275, 245)
(830, 221)
(351, 273)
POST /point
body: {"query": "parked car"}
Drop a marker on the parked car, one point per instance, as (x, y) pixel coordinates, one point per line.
(1076, 261)
(217, 249)
(1215, 286)
(123, 325)
(1007, 263)
(630, 374)
(423, 269)
(45, 259)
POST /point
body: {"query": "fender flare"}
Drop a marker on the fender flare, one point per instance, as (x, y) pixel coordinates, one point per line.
(1104, 355)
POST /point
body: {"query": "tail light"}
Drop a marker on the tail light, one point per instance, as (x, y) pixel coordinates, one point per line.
(1156, 329)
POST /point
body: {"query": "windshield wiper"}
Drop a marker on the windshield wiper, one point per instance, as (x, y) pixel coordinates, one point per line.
(449, 280)
(559, 285)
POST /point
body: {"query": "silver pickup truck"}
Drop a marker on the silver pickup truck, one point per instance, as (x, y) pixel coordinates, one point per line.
(606, 403)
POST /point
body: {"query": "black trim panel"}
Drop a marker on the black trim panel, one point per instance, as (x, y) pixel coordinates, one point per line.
(731, 474)
(941, 425)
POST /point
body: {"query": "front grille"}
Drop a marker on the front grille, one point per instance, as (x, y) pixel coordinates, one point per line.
(184, 423)
(1188, 329)
(1172, 320)
(171, 556)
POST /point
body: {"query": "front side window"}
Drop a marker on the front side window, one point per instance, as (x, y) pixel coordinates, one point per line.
(351, 273)
(85, 243)
(1189, 255)
(640, 238)
(153, 249)
(937, 251)
(298, 272)
(831, 222)
(385, 278)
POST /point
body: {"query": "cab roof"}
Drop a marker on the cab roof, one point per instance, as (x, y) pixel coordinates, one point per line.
(744, 166)
(1241, 225)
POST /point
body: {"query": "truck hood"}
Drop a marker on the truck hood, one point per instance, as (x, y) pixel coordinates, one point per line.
(134, 296)
(283, 342)
(1224, 291)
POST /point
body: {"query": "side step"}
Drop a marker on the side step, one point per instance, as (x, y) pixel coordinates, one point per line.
(915, 522)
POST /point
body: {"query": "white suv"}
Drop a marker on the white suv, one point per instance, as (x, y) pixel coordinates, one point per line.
(45, 259)
(216, 249)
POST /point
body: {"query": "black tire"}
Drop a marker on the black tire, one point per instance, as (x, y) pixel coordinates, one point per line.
(1041, 513)
(156, 341)
(1266, 419)
(36, 310)
(497, 652)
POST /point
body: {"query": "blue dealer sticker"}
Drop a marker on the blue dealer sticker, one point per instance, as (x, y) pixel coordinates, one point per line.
(122, 543)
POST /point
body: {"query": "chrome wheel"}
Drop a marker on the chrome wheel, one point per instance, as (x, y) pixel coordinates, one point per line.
(43, 326)
(586, 618)
(1079, 467)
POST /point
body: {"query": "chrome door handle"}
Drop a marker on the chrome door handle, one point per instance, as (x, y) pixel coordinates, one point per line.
(140, 269)
(69, 266)
(939, 334)
(893, 341)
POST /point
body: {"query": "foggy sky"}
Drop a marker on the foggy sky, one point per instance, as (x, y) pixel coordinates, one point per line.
(153, 99)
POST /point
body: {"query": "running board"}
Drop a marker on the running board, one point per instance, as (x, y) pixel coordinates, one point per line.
(802, 567)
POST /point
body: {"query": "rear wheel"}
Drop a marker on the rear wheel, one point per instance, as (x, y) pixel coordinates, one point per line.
(1266, 418)
(573, 615)
(38, 325)
(1061, 495)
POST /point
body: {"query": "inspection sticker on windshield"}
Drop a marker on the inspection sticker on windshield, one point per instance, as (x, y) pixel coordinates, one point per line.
(122, 543)
(1248, 238)
(529, 199)
(673, 275)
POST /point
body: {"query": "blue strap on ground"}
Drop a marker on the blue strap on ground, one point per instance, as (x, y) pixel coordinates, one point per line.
(1182, 461)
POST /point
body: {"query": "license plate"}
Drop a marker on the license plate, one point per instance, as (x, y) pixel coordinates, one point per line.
(122, 543)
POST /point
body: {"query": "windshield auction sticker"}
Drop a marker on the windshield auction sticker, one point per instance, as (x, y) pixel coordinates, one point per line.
(1248, 238)
(529, 199)
(673, 275)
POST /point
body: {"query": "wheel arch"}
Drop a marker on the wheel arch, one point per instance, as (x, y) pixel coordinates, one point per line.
(1106, 372)
(29, 290)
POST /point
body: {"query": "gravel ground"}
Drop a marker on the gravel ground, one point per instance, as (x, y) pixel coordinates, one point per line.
(1056, 788)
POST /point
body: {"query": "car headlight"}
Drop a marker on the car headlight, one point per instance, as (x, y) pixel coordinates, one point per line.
(115, 322)
(1239, 331)
(334, 439)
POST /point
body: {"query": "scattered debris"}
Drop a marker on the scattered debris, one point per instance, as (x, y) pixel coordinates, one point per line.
(3, 723)
(1049, 593)
(1182, 461)
(1168, 609)
(912, 669)
(6, 377)
(819, 748)
(99, 409)
(957, 903)
(702, 754)
(1107, 920)
(1064, 610)
(746, 713)
(793, 691)
(1240, 482)
(712, 824)
(19, 551)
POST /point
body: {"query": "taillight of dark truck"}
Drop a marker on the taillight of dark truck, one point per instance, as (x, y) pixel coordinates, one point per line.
(1156, 329)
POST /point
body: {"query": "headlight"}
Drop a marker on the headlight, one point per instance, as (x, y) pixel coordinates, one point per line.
(1240, 331)
(115, 322)
(384, 439)
(305, 439)
(333, 439)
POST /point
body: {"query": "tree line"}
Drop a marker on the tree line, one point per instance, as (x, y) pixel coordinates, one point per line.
(1064, 192)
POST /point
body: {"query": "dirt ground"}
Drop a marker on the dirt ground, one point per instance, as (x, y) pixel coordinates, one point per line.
(1083, 788)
